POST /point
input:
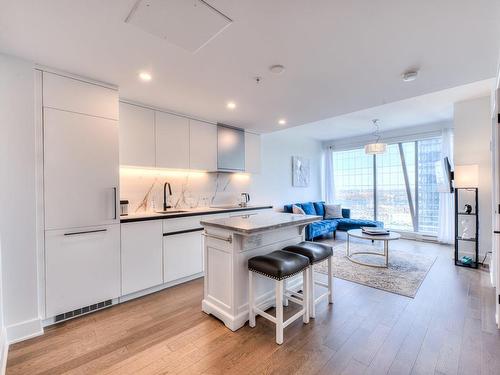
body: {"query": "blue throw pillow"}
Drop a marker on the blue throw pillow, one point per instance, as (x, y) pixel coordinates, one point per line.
(320, 208)
(308, 208)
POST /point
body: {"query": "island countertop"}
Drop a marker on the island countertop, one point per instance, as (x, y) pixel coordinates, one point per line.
(250, 224)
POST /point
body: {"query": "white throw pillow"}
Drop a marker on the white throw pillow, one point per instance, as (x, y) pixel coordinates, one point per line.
(297, 210)
(333, 211)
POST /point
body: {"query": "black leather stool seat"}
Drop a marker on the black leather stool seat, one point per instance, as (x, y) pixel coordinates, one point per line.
(315, 252)
(279, 264)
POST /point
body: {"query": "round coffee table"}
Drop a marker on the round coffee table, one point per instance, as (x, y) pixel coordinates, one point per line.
(358, 233)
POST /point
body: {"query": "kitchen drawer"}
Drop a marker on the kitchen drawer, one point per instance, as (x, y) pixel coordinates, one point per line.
(82, 267)
(78, 96)
(141, 255)
(180, 224)
(182, 255)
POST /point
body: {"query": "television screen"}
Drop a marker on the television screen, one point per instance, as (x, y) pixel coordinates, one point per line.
(444, 176)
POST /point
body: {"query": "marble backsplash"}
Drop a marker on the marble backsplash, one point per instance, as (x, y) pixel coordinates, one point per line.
(144, 188)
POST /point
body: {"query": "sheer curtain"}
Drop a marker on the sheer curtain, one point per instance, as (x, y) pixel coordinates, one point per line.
(329, 186)
(446, 204)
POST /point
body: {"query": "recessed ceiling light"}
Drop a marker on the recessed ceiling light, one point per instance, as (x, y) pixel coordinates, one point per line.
(277, 69)
(410, 75)
(282, 121)
(145, 76)
(231, 105)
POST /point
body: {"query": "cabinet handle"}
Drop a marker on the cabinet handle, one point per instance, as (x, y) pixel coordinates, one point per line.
(182, 232)
(496, 231)
(114, 201)
(227, 239)
(85, 232)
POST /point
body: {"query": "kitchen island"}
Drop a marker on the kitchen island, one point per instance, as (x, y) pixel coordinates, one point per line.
(228, 244)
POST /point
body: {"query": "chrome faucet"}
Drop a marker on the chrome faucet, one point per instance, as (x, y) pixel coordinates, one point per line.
(165, 199)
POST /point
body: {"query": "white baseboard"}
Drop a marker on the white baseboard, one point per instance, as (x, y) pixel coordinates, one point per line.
(24, 330)
(4, 351)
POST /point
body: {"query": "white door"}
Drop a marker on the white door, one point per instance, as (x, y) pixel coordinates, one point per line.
(172, 141)
(141, 255)
(137, 136)
(81, 171)
(83, 267)
(182, 255)
(202, 146)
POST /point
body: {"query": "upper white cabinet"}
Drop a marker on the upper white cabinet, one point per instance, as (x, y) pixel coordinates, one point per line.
(172, 141)
(202, 145)
(252, 153)
(137, 136)
(78, 96)
(81, 173)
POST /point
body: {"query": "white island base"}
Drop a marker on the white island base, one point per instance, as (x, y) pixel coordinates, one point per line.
(226, 274)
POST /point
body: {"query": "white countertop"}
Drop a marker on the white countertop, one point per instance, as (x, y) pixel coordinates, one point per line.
(151, 215)
(264, 221)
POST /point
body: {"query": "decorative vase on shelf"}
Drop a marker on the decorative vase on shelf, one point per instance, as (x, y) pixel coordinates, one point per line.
(466, 230)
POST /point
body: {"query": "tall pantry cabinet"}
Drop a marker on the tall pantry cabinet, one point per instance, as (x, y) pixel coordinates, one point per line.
(81, 193)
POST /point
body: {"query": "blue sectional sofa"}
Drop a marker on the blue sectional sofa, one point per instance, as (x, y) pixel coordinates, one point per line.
(327, 226)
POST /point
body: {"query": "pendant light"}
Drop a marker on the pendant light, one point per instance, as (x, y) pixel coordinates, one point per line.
(375, 148)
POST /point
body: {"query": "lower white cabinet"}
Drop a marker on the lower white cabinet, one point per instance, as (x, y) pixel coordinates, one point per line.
(182, 255)
(82, 267)
(141, 251)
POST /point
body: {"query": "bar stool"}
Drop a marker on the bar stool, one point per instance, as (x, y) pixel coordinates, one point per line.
(278, 265)
(316, 253)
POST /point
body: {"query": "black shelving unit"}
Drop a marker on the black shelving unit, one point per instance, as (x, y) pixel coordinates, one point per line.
(474, 217)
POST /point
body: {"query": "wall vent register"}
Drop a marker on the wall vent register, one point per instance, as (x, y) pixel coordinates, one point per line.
(83, 310)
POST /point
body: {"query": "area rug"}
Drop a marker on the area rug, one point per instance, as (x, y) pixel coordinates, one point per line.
(405, 273)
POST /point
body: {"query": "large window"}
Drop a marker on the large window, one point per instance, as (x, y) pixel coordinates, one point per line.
(397, 187)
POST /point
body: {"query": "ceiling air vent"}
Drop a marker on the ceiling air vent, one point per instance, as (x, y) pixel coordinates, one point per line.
(189, 24)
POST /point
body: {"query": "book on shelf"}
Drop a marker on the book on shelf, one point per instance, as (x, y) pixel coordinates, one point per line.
(375, 231)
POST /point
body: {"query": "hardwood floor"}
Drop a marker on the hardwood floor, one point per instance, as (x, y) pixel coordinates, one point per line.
(448, 328)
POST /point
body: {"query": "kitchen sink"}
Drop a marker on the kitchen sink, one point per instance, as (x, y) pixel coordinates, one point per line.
(171, 212)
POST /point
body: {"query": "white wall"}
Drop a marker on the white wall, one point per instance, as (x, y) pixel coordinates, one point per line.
(472, 140)
(17, 198)
(274, 183)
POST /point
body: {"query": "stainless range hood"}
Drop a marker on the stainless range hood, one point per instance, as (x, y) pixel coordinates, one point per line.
(230, 149)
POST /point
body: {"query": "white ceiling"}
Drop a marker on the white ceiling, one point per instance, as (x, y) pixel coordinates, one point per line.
(420, 110)
(340, 56)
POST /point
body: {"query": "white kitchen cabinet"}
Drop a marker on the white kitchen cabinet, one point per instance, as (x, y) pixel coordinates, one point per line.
(83, 267)
(137, 136)
(182, 255)
(202, 145)
(81, 173)
(172, 141)
(75, 95)
(252, 153)
(141, 255)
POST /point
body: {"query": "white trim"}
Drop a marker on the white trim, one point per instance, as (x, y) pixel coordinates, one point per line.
(24, 330)
(4, 351)
(39, 191)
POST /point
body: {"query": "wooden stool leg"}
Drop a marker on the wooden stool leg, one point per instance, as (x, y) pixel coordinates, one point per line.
(279, 312)
(285, 300)
(330, 280)
(312, 305)
(251, 300)
(305, 294)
